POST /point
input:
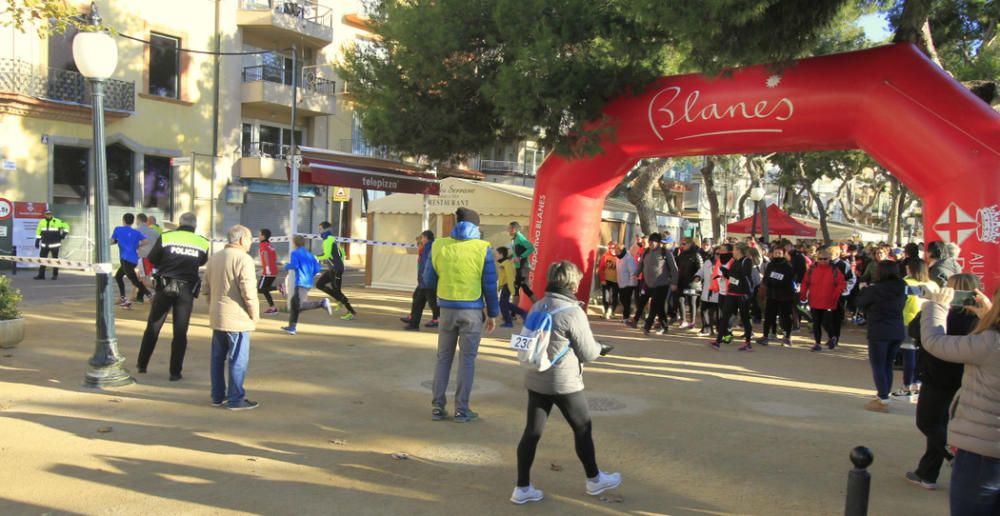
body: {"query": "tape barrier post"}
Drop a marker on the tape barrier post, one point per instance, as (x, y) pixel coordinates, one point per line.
(345, 240)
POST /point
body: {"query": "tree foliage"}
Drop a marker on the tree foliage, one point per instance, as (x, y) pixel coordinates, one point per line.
(44, 16)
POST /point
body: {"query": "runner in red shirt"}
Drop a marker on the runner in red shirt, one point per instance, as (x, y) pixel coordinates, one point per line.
(269, 270)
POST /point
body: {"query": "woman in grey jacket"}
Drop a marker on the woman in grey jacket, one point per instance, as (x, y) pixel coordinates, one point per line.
(975, 417)
(562, 385)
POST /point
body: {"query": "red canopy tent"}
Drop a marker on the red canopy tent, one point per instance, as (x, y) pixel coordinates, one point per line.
(778, 223)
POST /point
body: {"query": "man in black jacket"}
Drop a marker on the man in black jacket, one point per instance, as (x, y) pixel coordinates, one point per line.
(778, 284)
(689, 262)
(659, 271)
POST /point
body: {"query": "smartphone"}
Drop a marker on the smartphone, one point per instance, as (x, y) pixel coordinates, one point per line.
(916, 290)
(964, 298)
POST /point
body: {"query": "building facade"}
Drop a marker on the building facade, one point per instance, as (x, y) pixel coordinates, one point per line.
(178, 139)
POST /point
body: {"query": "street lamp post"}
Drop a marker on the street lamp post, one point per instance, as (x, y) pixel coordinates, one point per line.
(756, 194)
(96, 56)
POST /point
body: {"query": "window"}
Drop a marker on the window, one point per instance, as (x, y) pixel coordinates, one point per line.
(119, 175)
(69, 175)
(156, 183)
(164, 66)
(271, 141)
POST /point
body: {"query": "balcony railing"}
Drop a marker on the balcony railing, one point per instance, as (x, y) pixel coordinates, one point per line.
(507, 168)
(64, 86)
(265, 150)
(308, 10)
(309, 80)
(361, 148)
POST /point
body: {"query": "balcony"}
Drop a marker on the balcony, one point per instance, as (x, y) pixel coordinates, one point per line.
(288, 21)
(30, 90)
(269, 88)
(360, 147)
(506, 168)
(263, 160)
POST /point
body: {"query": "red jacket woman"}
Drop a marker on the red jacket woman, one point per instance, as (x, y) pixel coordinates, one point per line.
(822, 286)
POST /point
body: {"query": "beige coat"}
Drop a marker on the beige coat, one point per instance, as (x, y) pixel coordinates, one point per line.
(975, 413)
(231, 291)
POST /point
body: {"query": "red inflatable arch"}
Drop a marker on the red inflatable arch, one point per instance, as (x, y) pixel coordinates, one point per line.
(891, 101)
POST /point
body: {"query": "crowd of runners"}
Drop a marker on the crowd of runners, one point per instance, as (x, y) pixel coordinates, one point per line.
(914, 301)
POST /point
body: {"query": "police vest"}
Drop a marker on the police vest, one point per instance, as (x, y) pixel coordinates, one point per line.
(459, 265)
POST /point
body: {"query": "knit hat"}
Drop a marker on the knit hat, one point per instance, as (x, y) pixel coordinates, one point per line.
(466, 215)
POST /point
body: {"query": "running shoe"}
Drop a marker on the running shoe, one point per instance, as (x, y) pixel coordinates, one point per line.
(727, 339)
(465, 416)
(602, 482)
(271, 311)
(438, 413)
(327, 306)
(715, 346)
(877, 405)
(915, 479)
(762, 341)
(817, 347)
(746, 347)
(832, 343)
(432, 324)
(902, 393)
(704, 333)
(244, 405)
(346, 317)
(282, 290)
(787, 341)
(405, 319)
(523, 495)
(288, 329)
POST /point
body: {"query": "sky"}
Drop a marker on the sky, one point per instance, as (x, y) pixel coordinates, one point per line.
(875, 25)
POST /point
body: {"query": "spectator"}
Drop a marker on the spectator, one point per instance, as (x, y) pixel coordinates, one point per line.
(660, 273)
(940, 381)
(424, 294)
(628, 278)
(941, 266)
(689, 263)
(233, 313)
(562, 385)
(464, 273)
(884, 301)
(507, 276)
(975, 424)
(821, 289)
(607, 274)
(846, 268)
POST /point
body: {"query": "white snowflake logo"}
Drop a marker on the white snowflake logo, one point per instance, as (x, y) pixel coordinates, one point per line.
(773, 81)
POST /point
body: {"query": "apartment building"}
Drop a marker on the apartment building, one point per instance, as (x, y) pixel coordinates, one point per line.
(177, 139)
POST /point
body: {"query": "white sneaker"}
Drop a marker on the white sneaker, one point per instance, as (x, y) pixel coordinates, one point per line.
(327, 306)
(603, 482)
(523, 495)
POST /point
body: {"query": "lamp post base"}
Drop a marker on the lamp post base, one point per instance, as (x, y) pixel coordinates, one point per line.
(108, 375)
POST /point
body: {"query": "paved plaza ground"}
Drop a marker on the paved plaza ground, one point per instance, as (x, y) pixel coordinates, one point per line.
(693, 431)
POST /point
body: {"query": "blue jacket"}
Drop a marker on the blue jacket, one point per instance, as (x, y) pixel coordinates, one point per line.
(424, 263)
(305, 265)
(468, 231)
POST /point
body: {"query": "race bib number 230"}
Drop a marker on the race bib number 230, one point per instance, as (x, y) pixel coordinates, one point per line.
(522, 343)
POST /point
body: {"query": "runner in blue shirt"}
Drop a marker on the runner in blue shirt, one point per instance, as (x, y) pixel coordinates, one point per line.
(128, 239)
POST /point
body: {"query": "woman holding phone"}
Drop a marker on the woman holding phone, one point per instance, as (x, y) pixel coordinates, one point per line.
(975, 423)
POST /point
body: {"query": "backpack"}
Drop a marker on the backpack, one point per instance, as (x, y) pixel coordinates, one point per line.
(532, 344)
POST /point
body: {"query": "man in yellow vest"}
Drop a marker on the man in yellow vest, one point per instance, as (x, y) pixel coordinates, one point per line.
(48, 240)
(465, 275)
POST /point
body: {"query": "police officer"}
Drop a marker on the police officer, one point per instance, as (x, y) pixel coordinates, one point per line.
(48, 239)
(176, 256)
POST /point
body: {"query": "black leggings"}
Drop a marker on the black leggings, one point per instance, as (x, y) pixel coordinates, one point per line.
(127, 269)
(821, 318)
(733, 305)
(625, 295)
(330, 283)
(574, 410)
(265, 286)
(773, 310)
(709, 313)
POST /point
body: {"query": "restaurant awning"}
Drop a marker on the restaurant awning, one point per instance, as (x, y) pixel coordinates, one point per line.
(332, 168)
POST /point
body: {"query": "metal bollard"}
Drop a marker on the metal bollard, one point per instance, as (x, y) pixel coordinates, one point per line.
(859, 482)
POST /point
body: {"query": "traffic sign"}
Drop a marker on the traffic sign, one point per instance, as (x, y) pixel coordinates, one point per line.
(341, 194)
(6, 209)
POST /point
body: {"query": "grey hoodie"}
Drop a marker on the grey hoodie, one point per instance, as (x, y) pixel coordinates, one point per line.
(569, 326)
(659, 268)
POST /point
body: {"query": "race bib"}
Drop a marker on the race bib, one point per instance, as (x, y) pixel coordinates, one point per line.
(522, 343)
(734, 282)
(777, 275)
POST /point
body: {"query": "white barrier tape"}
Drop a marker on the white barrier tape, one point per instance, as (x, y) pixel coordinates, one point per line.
(285, 239)
(100, 268)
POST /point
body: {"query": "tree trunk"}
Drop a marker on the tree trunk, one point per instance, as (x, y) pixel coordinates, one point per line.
(821, 211)
(640, 192)
(708, 177)
(762, 214)
(914, 27)
(893, 209)
(741, 201)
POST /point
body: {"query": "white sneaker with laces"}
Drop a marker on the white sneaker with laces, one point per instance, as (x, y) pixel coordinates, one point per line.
(328, 307)
(603, 482)
(523, 495)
